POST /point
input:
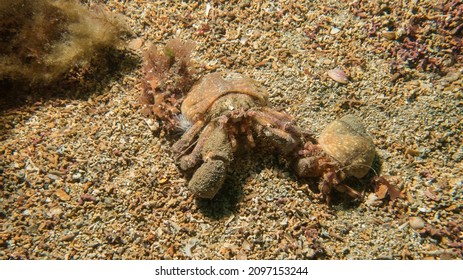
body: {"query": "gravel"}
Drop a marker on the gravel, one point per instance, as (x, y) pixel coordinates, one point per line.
(91, 178)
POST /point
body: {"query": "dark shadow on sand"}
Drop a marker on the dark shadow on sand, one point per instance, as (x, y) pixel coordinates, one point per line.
(19, 98)
(227, 200)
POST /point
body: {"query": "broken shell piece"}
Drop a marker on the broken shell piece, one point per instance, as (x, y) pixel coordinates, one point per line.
(190, 245)
(334, 30)
(347, 142)
(390, 35)
(338, 75)
(372, 200)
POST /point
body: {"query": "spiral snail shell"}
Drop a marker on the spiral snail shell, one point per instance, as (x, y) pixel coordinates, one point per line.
(346, 141)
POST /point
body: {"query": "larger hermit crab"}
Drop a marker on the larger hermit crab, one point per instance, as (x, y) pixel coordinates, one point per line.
(227, 111)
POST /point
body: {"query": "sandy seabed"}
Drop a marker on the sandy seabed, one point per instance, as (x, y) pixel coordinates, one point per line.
(92, 178)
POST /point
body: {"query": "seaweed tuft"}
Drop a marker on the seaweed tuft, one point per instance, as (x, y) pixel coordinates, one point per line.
(41, 41)
(169, 75)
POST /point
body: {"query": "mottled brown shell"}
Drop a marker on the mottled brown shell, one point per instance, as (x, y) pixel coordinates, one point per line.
(213, 86)
(347, 142)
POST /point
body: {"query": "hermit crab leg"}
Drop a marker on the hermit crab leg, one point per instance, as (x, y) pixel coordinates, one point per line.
(246, 128)
(277, 115)
(190, 160)
(281, 120)
(283, 130)
(348, 190)
(187, 139)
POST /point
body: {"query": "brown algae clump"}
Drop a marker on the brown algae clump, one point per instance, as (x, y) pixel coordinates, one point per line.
(42, 40)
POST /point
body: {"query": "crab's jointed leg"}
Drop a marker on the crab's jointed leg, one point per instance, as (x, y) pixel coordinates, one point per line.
(190, 160)
(187, 139)
(277, 127)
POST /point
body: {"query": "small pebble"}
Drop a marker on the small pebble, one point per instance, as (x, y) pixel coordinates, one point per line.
(417, 223)
(62, 195)
(371, 199)
(76, 177)
(334, 30)
(108, 202)
(56, 211)
(87, 197)
(68, 237)
(53, 177)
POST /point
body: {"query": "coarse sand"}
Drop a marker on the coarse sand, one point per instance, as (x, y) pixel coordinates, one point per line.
(87, 176)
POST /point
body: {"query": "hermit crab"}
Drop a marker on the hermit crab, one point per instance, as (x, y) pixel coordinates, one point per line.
(227, 111)
(344, 149)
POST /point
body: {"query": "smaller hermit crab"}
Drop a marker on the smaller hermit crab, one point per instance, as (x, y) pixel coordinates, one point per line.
(344, 149)
(227, 111)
